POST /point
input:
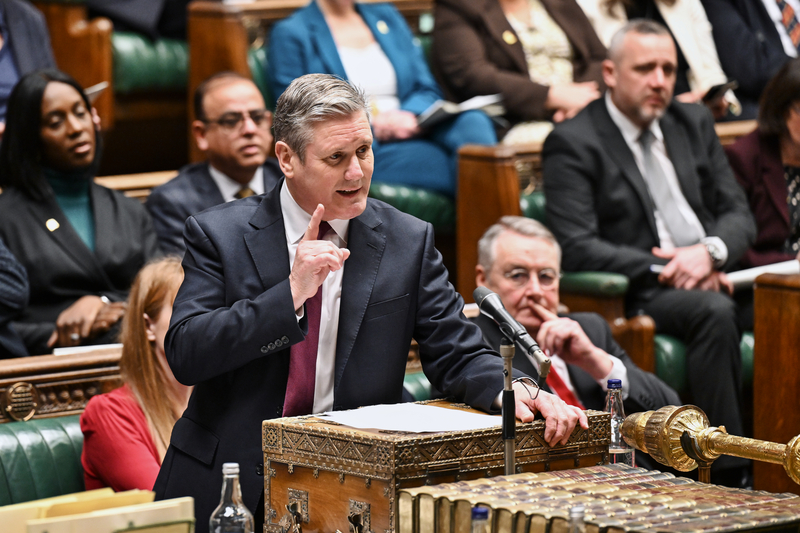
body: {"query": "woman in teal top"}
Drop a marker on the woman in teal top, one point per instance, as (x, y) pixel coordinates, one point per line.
(81, 244)
(371, 46)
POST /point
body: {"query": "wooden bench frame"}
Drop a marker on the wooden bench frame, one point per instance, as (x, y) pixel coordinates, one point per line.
(45, 386)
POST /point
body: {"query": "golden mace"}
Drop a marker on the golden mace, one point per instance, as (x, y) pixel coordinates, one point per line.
(680, 437)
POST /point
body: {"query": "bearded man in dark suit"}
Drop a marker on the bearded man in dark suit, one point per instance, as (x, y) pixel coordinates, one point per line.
(306, 299)
(638, 184)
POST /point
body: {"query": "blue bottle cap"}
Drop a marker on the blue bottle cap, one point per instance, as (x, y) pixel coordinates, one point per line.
(480, 513)
(614, 383)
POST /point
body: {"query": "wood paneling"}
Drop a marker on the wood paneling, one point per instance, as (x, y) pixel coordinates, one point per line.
(776, 372)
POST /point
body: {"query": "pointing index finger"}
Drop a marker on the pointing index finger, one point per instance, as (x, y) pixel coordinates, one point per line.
(544, 313)
(313, 227)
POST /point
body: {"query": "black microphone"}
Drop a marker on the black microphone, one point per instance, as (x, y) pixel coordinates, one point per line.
(490, 304)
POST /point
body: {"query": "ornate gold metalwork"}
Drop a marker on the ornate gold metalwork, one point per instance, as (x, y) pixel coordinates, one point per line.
(21, 401)
(680, 437)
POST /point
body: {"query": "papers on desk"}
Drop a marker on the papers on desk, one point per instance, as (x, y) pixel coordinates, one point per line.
(745, 278)
(412, 418)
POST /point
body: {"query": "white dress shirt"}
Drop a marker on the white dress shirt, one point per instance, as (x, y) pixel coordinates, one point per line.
(774, 13)
(295, 222)
(229, 187)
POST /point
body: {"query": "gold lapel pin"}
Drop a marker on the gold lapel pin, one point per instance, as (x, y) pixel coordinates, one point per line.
(509, 37)
(52, 224)
(382, 27)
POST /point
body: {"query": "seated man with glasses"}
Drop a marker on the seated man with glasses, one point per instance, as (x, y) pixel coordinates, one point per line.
(520, 260)
(233, 130)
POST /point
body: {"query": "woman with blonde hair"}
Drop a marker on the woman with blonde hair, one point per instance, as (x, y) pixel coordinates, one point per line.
(127, 431)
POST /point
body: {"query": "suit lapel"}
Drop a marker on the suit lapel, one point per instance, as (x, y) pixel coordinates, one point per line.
(677, 143)
(67, 238)
(366, 244)
(206, 187)
(389, 47)
(563, 13)
(267, 242)
(618, 150)
(324, 44)
(502, 32)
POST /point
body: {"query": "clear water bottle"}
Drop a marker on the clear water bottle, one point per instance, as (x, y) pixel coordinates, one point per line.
(231, 515)
(480, 520)
(577, 523)
(619, 451)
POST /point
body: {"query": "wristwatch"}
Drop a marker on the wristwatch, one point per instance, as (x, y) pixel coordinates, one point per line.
(715, 253)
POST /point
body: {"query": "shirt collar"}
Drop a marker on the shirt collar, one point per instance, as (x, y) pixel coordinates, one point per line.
(228, 187)
(630, 131)
(296, 220)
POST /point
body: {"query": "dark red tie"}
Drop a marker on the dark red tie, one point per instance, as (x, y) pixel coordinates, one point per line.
(558, 386)
(299, 398)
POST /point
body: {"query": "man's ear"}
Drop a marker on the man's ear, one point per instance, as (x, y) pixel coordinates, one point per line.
(480, 276)
(150, 327)
(286, 159)
(199, 133)
(609, 73)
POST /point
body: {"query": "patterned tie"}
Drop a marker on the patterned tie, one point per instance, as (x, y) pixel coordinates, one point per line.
(299, 399)
(683, 233)
(558, 386)
(244, 192)
(789, 21)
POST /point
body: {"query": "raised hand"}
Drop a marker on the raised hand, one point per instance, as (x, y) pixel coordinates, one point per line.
(313, 261)
(565, 337)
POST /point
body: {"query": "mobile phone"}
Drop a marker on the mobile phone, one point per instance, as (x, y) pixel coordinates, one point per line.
(718, 91)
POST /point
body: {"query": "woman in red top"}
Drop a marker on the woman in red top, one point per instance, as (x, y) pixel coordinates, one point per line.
(126, 432)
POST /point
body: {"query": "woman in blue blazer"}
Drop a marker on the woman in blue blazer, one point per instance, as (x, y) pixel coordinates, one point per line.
(327, 34)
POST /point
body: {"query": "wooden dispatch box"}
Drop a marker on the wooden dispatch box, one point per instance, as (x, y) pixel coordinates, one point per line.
(332, 471)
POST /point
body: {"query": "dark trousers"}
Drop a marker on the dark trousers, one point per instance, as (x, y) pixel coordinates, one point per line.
(708, 323)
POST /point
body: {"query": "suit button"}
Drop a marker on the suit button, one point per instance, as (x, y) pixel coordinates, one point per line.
(285, 339)
(264, 349)
(279, 411)
(271, 346)
(260, 469)
(278, 343)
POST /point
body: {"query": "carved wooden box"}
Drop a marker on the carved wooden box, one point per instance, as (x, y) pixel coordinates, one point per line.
(331, 473)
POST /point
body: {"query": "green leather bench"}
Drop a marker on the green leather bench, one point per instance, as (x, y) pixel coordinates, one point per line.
(40, 458)
(670, 352)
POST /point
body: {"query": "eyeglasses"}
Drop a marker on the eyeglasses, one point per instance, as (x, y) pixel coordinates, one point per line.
(234, 120)
(520, 277)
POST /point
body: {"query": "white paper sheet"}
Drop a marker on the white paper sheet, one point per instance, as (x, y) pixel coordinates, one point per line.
(412, 418)
(746, 278)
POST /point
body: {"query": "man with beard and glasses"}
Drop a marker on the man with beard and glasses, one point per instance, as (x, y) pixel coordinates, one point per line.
(638, 184)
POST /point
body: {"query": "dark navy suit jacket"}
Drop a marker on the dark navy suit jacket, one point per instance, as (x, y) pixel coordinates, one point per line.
(233, 322)
(28, 34)
(191, 191)
(13, 299)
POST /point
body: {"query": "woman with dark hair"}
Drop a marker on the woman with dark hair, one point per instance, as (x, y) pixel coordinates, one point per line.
(81, 244)
(767, 165)
(126, 432)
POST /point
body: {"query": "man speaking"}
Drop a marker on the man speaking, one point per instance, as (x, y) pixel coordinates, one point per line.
(306, 299)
